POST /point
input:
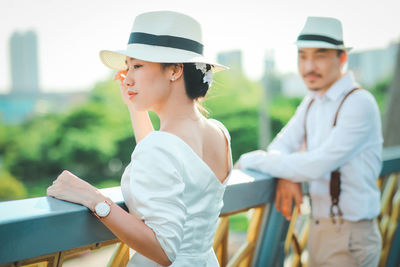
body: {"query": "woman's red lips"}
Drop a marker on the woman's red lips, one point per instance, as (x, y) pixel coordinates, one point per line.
(131, 94)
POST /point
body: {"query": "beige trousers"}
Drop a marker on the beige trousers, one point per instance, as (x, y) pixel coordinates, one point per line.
(344, 245)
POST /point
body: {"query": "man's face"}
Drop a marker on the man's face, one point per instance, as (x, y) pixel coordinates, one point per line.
(320, 67)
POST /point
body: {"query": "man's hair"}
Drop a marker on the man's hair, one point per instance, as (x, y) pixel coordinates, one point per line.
(339, 52)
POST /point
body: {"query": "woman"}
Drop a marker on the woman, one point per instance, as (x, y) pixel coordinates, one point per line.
(175, 181)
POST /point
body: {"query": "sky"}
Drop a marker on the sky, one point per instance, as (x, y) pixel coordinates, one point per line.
(71, 33)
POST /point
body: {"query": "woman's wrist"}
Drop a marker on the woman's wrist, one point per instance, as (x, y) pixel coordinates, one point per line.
(94, 199)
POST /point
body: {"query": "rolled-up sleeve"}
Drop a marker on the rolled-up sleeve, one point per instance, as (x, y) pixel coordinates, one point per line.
(158, 189)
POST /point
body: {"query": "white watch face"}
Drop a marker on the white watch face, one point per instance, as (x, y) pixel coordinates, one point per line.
(102, 209)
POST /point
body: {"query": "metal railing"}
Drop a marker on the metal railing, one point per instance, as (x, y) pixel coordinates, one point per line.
(37, 227)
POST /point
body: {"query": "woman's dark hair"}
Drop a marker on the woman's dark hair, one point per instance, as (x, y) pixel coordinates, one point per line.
(195, 87)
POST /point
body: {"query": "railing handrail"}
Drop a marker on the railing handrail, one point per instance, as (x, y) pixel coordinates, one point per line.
(44, 225)
(391, 160)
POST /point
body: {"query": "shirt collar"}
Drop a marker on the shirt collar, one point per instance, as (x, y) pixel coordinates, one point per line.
(340, 87)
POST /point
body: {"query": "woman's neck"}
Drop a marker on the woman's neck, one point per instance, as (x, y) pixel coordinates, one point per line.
(178, 108)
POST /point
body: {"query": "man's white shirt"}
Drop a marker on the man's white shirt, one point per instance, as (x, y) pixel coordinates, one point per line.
(354, 145)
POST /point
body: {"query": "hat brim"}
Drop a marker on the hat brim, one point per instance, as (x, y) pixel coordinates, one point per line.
(319, 44)
(116, 59)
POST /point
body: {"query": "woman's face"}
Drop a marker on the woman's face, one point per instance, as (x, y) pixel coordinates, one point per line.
(148, 84)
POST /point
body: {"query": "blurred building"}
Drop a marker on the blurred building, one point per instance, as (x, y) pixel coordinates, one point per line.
(276, 84)
(25, 98)
(19, 104)
(232, 59)
(271, 79)
(293, 85)
(24, 63)
(372, 66)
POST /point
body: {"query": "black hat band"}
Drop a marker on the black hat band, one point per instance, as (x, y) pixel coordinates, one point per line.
(166, 41)
(314, 37)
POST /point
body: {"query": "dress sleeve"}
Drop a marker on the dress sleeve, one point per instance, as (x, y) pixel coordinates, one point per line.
(157, 187)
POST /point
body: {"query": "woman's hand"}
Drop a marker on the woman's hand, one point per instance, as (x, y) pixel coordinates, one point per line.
(120, 76)
(71, 188)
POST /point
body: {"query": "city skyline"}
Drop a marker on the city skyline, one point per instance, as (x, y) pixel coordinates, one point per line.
(70, 34)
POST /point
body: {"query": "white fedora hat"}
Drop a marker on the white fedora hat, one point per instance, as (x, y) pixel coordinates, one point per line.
(164, 37)
(322, 32)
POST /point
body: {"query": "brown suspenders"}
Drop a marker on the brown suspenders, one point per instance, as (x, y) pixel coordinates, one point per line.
(334, 185)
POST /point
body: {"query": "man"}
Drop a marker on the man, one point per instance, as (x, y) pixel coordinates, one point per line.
(344, 231)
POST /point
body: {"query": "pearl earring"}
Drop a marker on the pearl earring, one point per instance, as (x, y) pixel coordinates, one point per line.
(173, 79)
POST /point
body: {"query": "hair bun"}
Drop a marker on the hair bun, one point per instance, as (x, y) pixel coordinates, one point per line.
(195, 85)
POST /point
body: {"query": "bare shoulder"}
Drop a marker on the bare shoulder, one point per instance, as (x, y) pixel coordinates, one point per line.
(216, 151)
(207, 139)
(214, 132)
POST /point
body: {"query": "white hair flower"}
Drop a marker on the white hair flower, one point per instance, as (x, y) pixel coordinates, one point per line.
(201, 66)
(207, 74)
(208, 78)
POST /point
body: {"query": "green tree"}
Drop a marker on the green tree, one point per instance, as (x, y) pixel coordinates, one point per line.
(10, 187)
(234, 100)
(88, 140)
(95, 140)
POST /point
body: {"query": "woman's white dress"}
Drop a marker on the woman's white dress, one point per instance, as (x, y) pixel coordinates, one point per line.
(176, 194)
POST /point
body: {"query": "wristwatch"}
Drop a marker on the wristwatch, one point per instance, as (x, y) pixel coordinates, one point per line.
(102, 209)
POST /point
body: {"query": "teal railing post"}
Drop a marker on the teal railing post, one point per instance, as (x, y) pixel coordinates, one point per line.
(271, 250)
(391, 164)
(394, 253)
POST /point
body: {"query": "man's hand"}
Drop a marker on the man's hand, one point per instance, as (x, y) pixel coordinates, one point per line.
(286, 192)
